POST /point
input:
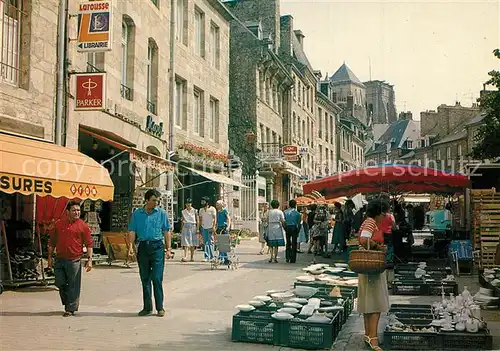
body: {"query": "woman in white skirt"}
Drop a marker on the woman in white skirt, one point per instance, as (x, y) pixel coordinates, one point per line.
(373, 295)
(189, 236)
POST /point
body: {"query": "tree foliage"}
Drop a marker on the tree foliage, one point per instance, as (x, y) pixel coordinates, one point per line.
(487, 140)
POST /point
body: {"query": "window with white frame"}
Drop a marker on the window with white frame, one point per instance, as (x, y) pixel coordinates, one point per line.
(199, 32)
(11, 16)
(214, 43)
(95, 62)
(180, 29)
(179, 102)
(214, 119)
(152, 76)
(198, 112)
(127, 56)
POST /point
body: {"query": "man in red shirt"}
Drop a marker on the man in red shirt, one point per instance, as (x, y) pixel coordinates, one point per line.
(68, 239)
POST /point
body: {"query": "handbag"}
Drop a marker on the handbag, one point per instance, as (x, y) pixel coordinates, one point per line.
(366, 261)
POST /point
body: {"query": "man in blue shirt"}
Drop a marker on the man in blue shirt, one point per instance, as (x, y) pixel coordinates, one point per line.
(292, 226)
(150, 228)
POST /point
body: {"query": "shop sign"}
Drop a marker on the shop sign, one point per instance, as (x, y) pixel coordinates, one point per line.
(303, 150)
(90, 91)
(291, 158)
(14, 183)
(290, 150)
(94, 26)
(154, 128)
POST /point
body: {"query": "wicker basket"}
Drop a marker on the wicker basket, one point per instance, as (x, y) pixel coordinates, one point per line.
(367, 261)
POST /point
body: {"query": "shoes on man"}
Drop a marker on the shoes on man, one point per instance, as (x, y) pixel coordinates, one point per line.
(144, 313)
(161, 313)
(68, 313)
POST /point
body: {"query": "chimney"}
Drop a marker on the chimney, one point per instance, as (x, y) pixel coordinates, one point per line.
(300, 36)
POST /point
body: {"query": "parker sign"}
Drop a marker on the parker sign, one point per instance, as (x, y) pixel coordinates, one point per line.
(94, 26)
(90, 91)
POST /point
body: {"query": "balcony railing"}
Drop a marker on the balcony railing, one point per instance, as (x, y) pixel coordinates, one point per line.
(126, 92)
(152, 107)
(270, 151)
(93, 69)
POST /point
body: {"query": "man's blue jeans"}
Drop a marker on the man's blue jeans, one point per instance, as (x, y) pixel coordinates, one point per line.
(151, 260)
(208, 243)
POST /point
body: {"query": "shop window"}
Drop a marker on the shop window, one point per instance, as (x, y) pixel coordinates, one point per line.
(15, 38)
(152, 77)
(152, 174)
(128, 56)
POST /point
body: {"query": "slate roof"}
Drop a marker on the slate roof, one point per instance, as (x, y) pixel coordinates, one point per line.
(476, 119)
(455, 135)
(345, 75)
(395, 131)
(299, 54)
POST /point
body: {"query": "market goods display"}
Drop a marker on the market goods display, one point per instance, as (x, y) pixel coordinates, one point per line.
(302, 317)
(419, 279)
(451, 323)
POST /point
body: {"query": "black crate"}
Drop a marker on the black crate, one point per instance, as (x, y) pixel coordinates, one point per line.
(466, 341)
(435, 288)
(298, 333)
(256, 327)
(416, 322)
(410, 287)
(325, 289)
(411, 309)
(411, 340)
(410, 315)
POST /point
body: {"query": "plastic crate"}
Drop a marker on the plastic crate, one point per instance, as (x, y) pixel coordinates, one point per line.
(411, 340)
(435, 288)
(410, 268)
(411, 309)
(466, 341)
(348, 305)
(256, 327)
(409, 287)
(311, 336)
(410, 315)
(325, 289)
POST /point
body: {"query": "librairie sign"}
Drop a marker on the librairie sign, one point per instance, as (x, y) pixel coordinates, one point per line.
(94, 26)
(90, 91)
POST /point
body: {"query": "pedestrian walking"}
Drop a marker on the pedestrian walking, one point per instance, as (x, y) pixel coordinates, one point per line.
(71, 234)
(189, 230)
(223, 225)
(150, 228)
(275, 231)
(207, 222)
(292, 227)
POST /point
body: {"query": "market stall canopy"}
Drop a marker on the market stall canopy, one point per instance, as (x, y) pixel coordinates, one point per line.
(304, 201)
(218, 178)
(390, 178)
(29, 166)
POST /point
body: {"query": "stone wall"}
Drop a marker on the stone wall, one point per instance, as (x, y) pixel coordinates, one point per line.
(446, 119)
(28, 107)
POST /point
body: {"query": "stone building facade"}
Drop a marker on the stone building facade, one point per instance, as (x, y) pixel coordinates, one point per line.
(446, 119)
(260, 93)
(300, 125)
(28, 67)
(327, 118)
(381, 102)
(351, 142)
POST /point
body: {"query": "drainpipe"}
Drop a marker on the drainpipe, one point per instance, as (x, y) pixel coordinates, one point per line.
(171, 117)
(61, 69)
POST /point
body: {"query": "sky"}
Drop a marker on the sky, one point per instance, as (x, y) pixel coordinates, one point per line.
(433, 52)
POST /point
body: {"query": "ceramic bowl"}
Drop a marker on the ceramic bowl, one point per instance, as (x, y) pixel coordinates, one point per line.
(256, 303)
(245, 308)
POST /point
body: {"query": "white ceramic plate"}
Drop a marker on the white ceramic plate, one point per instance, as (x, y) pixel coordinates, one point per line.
(256, 303)
(305, 278)
(269, 292)
(344, 265)
(282, 316)
(289, 310)
(283, 295)
(448, 330)
(245, 308)
(262, 298)
(299, 300)
(292, 305)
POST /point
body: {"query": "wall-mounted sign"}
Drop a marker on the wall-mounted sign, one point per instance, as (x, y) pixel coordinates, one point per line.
(291, 158)
(154, 128)
(90, 91)
(94, 26)
(290, 150)
(303, 150)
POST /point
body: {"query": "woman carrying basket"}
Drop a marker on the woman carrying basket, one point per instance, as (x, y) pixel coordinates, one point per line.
(373, 295)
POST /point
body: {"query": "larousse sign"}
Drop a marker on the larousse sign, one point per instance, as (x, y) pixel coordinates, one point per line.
(94, 26)
(90, 91)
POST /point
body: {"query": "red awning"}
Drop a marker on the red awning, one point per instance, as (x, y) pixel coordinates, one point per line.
(389, 178)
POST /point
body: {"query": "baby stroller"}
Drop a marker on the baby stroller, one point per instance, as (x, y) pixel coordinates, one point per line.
(223, 243)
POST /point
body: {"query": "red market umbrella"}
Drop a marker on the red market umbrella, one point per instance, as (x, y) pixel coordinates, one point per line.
(389, 178)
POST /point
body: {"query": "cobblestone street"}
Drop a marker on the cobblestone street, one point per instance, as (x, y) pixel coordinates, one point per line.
(199, 303)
